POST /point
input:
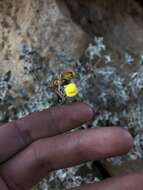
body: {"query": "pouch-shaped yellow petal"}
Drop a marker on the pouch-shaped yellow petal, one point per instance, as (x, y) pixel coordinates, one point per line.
(71, 90)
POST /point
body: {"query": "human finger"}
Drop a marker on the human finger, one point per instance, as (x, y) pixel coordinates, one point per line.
(19, 134)
(66, 150)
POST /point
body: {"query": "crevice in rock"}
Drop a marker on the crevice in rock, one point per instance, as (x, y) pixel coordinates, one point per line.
(120, 22)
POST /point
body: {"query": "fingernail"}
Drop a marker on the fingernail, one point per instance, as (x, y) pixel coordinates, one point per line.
(91, 112)
(128, 138)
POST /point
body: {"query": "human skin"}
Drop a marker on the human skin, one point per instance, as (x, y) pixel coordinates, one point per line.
(32, 147)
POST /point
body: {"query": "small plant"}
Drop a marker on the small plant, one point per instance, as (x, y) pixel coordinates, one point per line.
(64, 87)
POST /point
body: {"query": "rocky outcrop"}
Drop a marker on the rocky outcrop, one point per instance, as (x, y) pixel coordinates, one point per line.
(120, 22)
(39, 39)
(36, 24)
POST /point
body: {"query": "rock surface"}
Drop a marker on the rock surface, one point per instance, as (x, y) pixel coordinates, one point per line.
(40, 39)
(36, 24)
(120, 22)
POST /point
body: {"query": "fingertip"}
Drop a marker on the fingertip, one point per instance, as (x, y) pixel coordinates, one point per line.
(84, 110)
(123, 139)
(128, 139)
(108, 141)
(89, 111)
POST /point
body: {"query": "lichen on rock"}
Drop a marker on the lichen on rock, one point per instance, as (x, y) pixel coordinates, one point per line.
(39, 40)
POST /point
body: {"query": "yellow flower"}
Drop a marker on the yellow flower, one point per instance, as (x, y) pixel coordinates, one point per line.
(71, 90)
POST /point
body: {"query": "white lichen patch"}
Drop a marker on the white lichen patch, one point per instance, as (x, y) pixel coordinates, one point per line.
(107, 59)
(136, 82)
(141, 60)
(95, 50)
(129, 59)
(68, 178)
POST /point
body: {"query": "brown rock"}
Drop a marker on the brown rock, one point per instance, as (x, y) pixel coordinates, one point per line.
(120, 22)
(38, 24)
